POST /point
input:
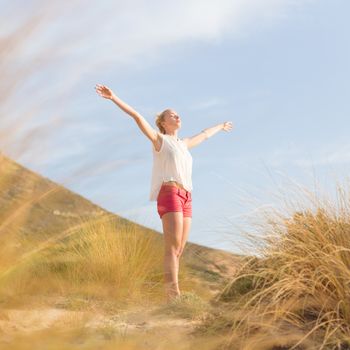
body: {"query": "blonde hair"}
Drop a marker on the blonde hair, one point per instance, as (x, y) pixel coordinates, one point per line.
(160, 118)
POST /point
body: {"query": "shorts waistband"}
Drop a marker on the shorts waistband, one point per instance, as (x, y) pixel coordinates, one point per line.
(176, 189)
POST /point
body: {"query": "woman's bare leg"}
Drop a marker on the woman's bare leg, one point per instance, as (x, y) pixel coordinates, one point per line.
(172, 229)
(185, 232)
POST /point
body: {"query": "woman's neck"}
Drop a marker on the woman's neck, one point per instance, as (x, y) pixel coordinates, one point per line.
(175, 137)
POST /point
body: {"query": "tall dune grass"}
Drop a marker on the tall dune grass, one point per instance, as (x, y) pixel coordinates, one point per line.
(296, 293)
(98, 257)
(103, 251)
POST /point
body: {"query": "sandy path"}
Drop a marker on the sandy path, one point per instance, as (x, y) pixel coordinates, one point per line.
(141, 321)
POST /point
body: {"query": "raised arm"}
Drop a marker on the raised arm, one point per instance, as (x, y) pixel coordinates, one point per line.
(206, 133)
(143, 124)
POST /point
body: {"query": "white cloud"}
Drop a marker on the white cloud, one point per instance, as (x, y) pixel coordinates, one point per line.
(332, 155)
(121, 31)
(144, 28)
(210, 102)
(82, 39)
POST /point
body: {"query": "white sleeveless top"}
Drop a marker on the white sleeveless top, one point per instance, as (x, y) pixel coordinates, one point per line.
(173, 162)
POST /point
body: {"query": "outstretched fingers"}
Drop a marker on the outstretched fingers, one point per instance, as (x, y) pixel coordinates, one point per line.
(103, 90)
(228, 126)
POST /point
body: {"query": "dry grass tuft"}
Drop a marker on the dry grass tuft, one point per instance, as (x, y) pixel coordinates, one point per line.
(297, 291)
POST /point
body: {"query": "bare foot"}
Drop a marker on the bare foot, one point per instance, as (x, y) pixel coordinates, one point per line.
(172, 294)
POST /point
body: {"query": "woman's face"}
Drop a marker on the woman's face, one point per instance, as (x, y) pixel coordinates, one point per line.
(172, 120)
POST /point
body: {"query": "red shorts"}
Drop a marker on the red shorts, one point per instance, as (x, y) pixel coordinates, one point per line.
(172, 198)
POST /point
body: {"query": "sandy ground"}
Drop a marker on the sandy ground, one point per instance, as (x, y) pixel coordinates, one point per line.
(153, 322)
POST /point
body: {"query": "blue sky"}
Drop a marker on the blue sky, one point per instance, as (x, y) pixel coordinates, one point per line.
(279, 70)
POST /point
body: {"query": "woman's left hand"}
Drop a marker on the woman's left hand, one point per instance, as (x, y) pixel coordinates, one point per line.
(227, 126)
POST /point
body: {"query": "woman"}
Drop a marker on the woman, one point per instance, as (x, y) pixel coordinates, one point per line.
(171, 180)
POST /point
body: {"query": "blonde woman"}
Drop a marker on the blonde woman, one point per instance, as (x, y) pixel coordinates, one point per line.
(171, 184)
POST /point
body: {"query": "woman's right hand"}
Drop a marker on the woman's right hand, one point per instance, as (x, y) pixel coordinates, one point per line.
(104, 91)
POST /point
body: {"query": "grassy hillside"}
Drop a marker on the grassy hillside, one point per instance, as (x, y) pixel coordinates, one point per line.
(34, 208)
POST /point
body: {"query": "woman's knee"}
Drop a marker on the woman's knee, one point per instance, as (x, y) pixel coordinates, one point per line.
(179, 253)
(172, 251)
